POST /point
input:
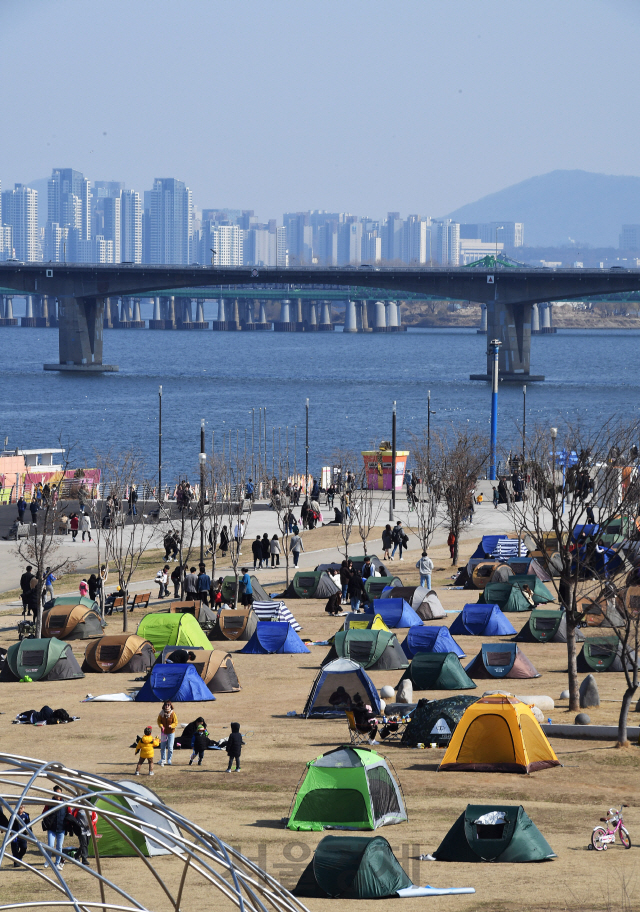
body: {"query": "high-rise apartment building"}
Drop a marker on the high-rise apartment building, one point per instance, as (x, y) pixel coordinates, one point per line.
(447, 242)
(130, 227)
(393, 237)
(299, 233)
(55, 239)
(69, 205)
(350, 242)
(282, 256)
(630, 237)
(416, 234)
(168, 221)
(260, 247)
(20, 212)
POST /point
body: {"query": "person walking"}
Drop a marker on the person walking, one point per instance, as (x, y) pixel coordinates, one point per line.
(133, 500)
(74, 523)
(204, 584)
(356, 591)
(451, 542)
(25, 586)
(345, 576)
(19, 843)
(256, 549)
(49, 580)
(496, 498)
(398, 537)
(53, 823)
(145, 747)
(249, 489)
(274, 550)
(191, 585)
(162, 580)
(266, 550)
(224, 541)
(238, 534)
(234, 746)
(176, 578)
(199, 744)
(85, 525)
(296, 546)
(34, 506)
(387, 541)
(168, 721)
(22, 506)
(425, 568)
(82, 830)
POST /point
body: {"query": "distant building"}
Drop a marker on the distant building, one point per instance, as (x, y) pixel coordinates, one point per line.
(299, 234)
(510, 234)
(447, 242)
(630, 237)
(392, 238)
(168, 211)
(260, 247)
(55, 238)
(282, 255)
(69, 206)
(473, 249)
(20, 213)
(350, 242)
(130, 227)
(417, 233)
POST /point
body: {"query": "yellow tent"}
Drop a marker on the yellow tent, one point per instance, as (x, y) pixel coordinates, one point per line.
(362, 622)
(499, 734)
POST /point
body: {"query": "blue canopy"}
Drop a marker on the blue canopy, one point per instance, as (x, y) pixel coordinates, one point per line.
(482, 620)
(430, 639)
(395, 612)
(178, 683)
(274, 636)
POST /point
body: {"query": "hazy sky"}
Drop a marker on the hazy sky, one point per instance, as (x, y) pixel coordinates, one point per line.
(350, 105)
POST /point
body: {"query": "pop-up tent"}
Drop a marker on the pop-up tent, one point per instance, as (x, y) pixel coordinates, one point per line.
(121, 652)
(437, 671)
(376, 563)
(375, 650)
(275, 611)
(162, 629)
(178, 683)
(529, 566)
(489, 832)
(274, 636)
(214, 667)
(395, 612)
(48, 659)
(75, 619)
(430, 639)
(360, 621)
(352, 867)
(311, 584)
(229, 589)
(114, 844)
(235, 624)
(492, 571)
(204, 615)
(430, 609)
(602, 654)
(541, 593)
(348, 788)
(499, 734)
(508, 598)
(546, 626)
(435, 720)
(501, 660)
(335, 687)
(376, 585)
(482, 620)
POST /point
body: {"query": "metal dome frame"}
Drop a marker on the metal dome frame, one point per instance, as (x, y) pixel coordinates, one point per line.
(26, 783)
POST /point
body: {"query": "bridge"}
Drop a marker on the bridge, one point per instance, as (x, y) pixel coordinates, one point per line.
(508, 293)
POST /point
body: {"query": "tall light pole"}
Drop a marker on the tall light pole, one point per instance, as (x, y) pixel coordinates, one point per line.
(203, 461)
(306, 459)
(160, 444)
(498, 228)
(493, 464)
(554, 434)
(524, 423)
(393, 462)
(429, 414)
(253, 430)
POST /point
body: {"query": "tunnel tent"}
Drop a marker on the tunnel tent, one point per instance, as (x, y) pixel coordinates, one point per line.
(376, 585)
(70, 600)
(541, 593)
(603, 654)
(375, 650)
(214, 666)
(75, 621)
(229, 589)
(45, 659)
(352, 867)
(360, 621)
(481, 620)
(430, 609)
(126, 653)
(498, 833)
(348, 788)
(501, 660)
(204, 615)
(335, 687)
(165, 629)
(311, 584)
(430, 639)
(272, 637)
(508, 598)
(395, 612)
(493, 571)
(178, 683)
(546, 625)
(437, 671)
(275, 611)
(115, 844)
(498, 734)
(529, 566)
(435, 720)
(235, 624)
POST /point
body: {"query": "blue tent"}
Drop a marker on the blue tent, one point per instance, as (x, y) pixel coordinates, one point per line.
(430, 639)
(395, 612)
(482, 620)
(487, 546)
(274, 636)
(336, 686)
(178, 683)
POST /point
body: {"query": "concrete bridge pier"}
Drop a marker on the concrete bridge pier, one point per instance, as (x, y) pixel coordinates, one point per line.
(535, 319)
(392, 316)
(285, 323)
(262, 323)
(364, 317)
(136, 317)
(81, 322)
(157, 322)
(547, 319)
(29, 318)
(248, 316)
(325, 320)
(350, 318)
(220, 324)
(482, 331)
(312, 317)
(6, 311)
(199, 322)
(380, 317)
(511, 324)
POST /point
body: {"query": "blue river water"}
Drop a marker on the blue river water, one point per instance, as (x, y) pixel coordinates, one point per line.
(350, 380)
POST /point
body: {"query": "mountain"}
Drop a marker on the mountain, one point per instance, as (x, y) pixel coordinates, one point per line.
(561, 207)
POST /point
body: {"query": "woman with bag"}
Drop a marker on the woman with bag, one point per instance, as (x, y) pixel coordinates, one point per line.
(168, 721)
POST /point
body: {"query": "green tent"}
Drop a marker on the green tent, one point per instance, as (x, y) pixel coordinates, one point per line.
(353, 867)
(541, 593)
(311, 584)
(603, 654)
(546, 625)
(347, 788)
(229, 589)
(48, 659)
(172, 630)
(437, 671)
(76, 600)
(375, 585)
(486, 832)
(375, 650)
(113, 843)
(505, 597)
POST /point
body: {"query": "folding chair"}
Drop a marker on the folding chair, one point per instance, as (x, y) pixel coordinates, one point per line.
(355, 736)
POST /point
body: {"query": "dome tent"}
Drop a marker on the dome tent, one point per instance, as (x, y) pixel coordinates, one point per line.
(229, 589)
(46, 659)
(335, 687)
(78, 619)
(437, 671)
(529, 566)
(164, 629)
(352, 867)
(127, 653)
(430, 639)
(114, 844)
(435, 720)
(501, 660)
(235, 624)
(546, 626)
(361, 621)
(274, 637)
(375, 650)
(178, 683)
(311, 584)
(482, 620)
(499, 734)
(395, 612)
(494, 833)
(347, 788)
(214, 666)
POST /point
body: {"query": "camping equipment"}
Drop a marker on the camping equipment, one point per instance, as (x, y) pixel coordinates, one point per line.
(335, 687)
(275, 611)
(178, 683)
(204, 615)
(229, 589)
(352, 867)
(214, 666)
(603, 654)
(311, 584)
(121, 652)
(47, 659)
(78, 619)
(546, 625)
(374, 586)
(162, 629)
(395, 612)
(501, 660)
(430, 639)
(437, 671)
(235, 624)
(481, 620)
(435, 720)
(494, 833)
(376, 650)
(113, 843)
(274, 637)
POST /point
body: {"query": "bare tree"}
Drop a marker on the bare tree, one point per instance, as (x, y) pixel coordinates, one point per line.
(344, 461)
(567, 472)
(460, 455)
(365, 507)
(422, 516)
(235, 507)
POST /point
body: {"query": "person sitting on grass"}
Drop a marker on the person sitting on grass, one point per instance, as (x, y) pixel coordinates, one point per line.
(145, 747)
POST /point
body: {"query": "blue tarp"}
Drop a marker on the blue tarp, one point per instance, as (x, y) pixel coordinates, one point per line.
(395, 612)
(590, 530)
(274, 636)
(488, 545)
(430, 639)
(178, 683)
(482, 620)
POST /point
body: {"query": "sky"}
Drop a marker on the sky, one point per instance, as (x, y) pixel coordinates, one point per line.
(361, 106)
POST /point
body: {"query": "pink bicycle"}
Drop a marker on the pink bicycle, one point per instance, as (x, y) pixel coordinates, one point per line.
(603, 837)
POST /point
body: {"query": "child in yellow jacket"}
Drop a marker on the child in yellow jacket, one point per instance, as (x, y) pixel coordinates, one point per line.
(145, 747)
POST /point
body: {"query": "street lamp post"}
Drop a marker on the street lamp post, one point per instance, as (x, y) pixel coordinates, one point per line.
(524, 423)
(306, 458)
(429, 414)
(160, 444)
(498, 228)
(203, 462)
(495, 346)
(554, 434)
(393, 462)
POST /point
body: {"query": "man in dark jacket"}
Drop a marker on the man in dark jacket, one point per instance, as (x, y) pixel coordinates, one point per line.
(54, 826)
(256, 549)
(356, 591)
(25, 586)
(234, 746)
(204, 584)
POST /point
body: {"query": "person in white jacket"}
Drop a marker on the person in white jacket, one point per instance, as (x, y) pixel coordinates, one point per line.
(425, 567)
(85, 525)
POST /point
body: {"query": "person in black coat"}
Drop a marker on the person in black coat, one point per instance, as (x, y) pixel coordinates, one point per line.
(266, 550)
(333, 606)
(356, 591)
(256, 549)
(234, 746)
(199, 743)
